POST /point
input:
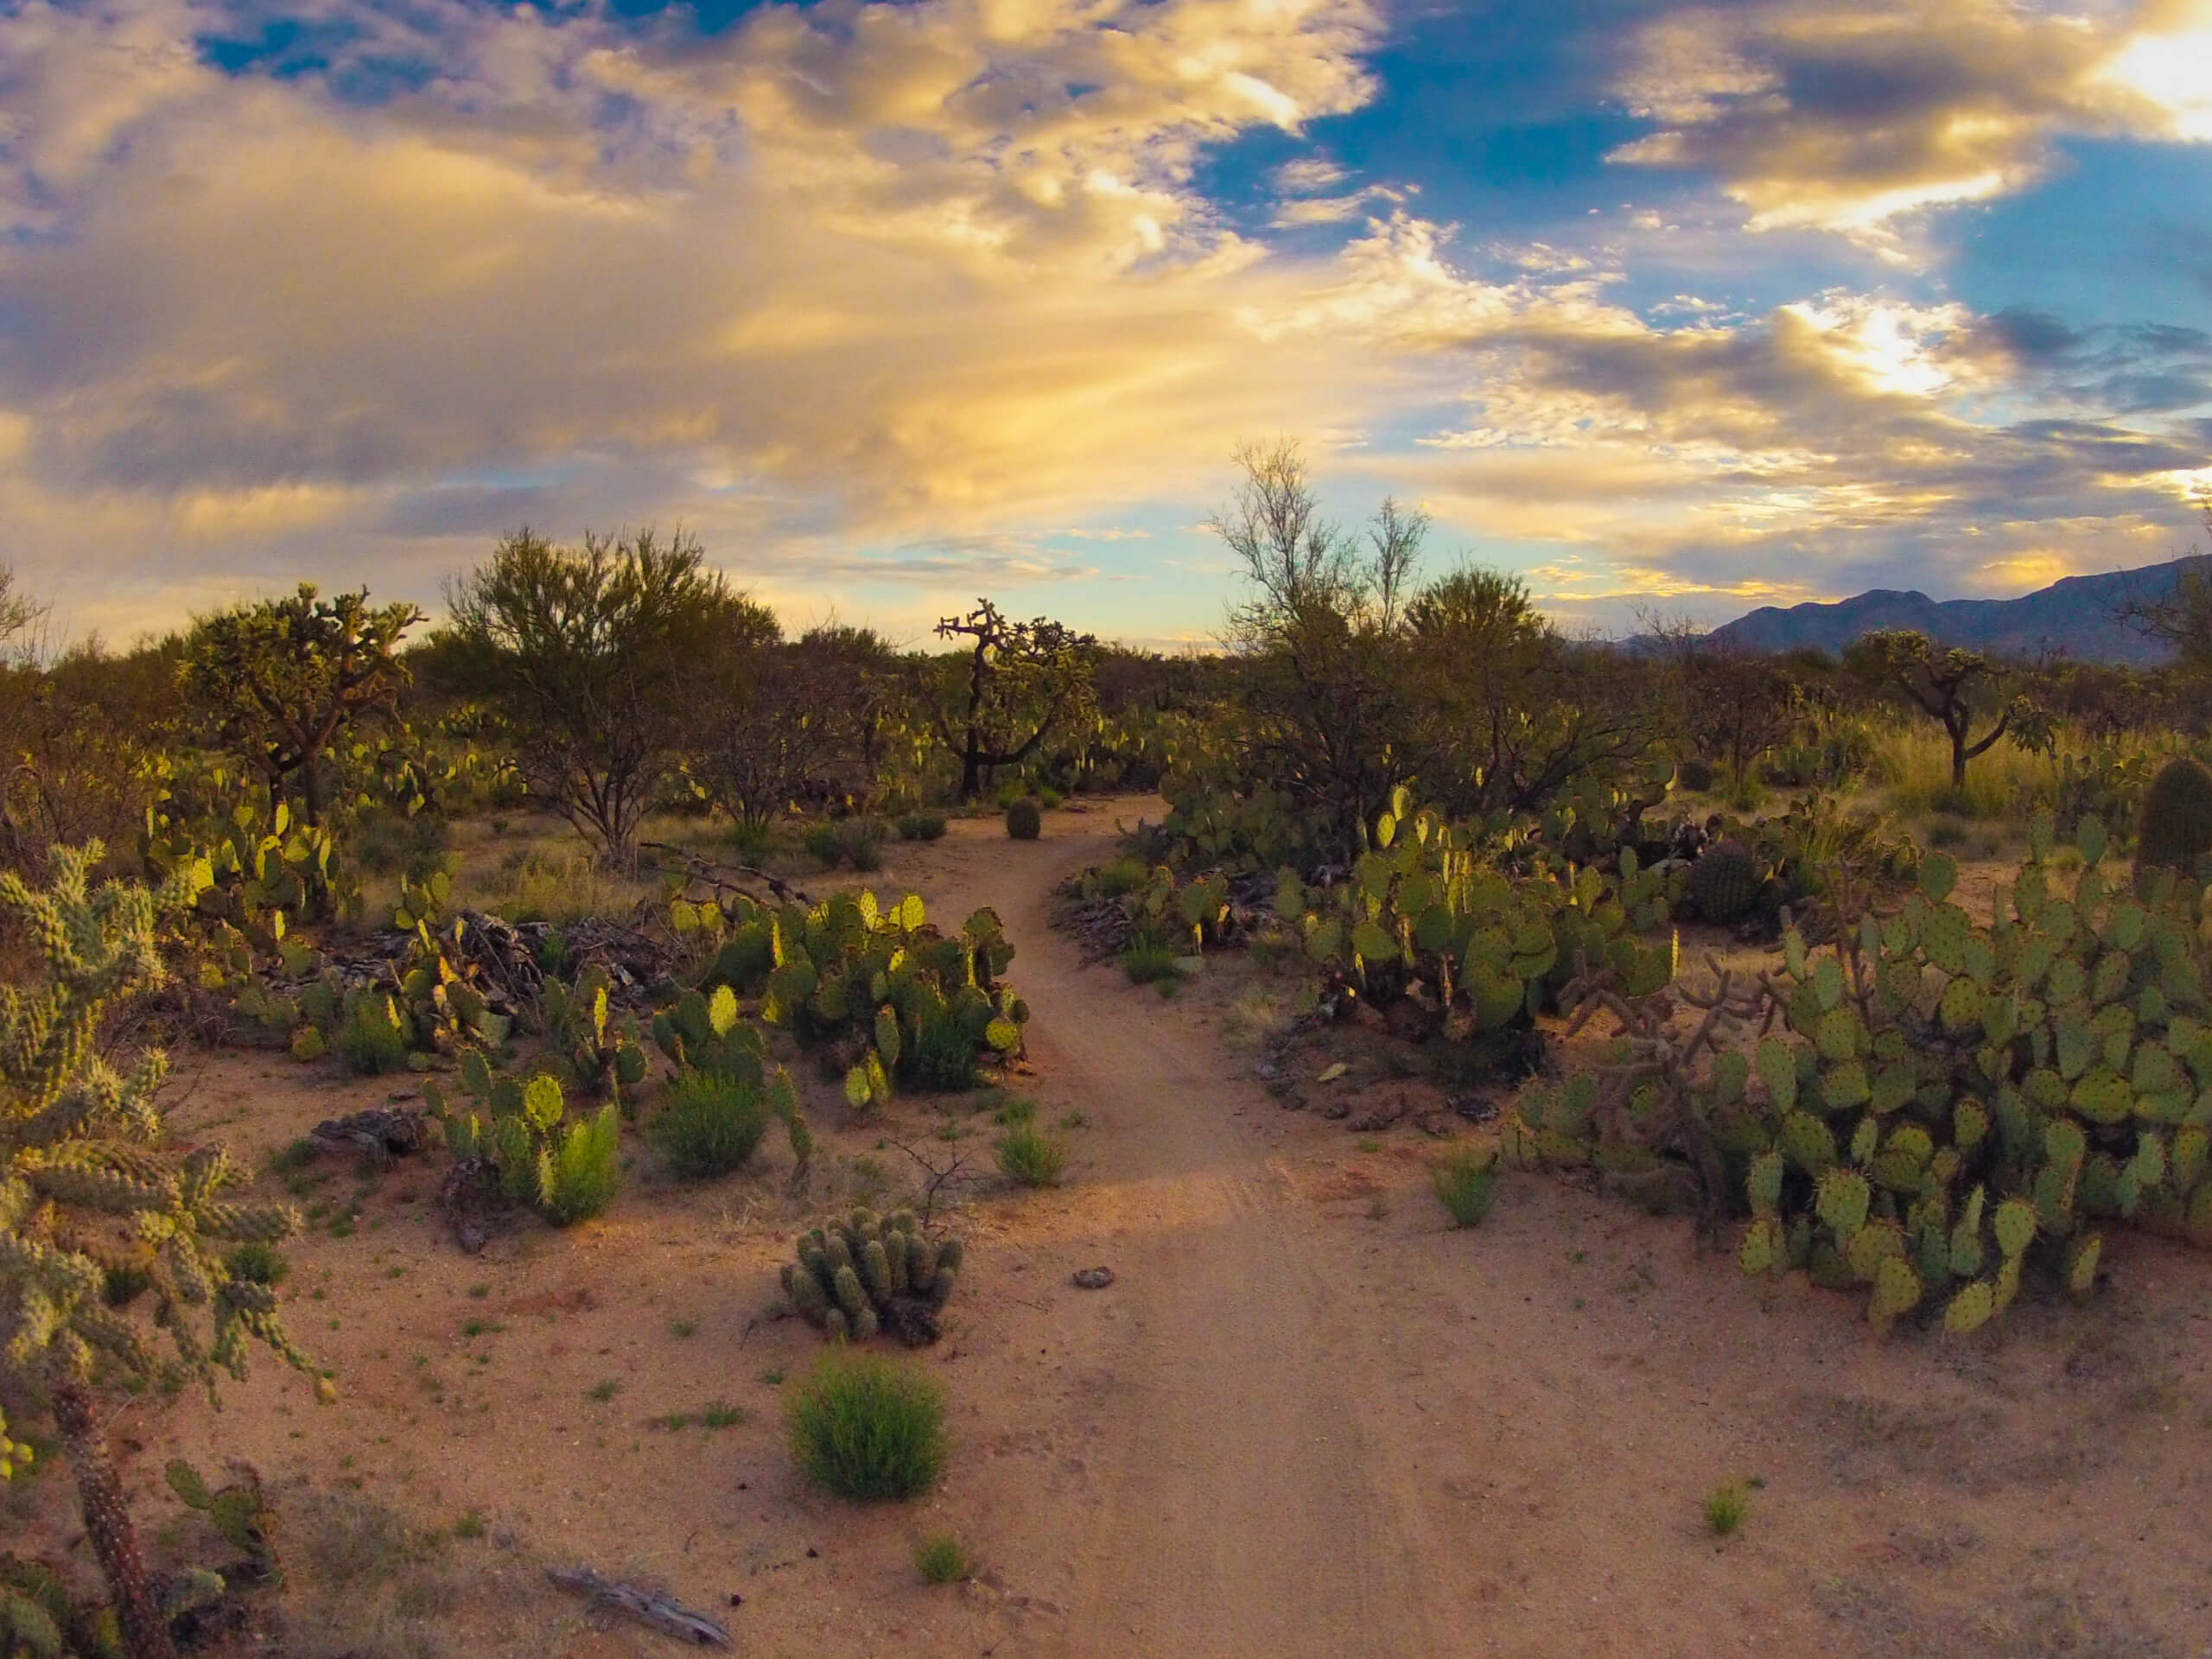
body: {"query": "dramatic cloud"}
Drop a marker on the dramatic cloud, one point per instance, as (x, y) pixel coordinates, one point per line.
(1845, 116)
(893, 303)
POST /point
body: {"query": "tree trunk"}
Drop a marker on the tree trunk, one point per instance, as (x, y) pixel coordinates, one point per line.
(1958, 762)
(107, 1523)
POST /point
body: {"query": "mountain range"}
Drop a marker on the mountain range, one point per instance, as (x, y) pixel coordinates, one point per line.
(2073, 617)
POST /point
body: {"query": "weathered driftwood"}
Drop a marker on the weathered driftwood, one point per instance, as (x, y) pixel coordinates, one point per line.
(646, 1606)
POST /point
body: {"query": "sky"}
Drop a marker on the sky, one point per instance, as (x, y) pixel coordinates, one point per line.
(1671, 309)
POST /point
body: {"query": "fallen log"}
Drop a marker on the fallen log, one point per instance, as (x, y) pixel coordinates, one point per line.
(646, 1606)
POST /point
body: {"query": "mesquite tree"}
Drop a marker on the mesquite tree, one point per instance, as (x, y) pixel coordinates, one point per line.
(86, 1190)
(1954, 687)
(279, 681)
(1015, 685)
(598, 660)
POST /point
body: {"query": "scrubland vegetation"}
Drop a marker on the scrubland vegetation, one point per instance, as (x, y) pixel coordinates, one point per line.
(549, 863)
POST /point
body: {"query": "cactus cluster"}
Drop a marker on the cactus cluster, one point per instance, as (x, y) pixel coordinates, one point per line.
(566, 1170)
(1425, 917)
(1187, 916)
(1951, 1095)
(257, 870)
(874, 984)
(239, 1512)
(867, 1273)
(705, 1032)
(601, 1054)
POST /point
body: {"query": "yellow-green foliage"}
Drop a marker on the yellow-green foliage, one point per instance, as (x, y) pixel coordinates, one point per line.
(926, 1008)
(568, 1170)
(80, 1151)
(1423, 906)
(1948, 1095)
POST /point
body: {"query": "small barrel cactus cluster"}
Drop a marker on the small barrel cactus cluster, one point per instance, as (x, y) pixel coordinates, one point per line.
(2176, 827)
(867, 1273)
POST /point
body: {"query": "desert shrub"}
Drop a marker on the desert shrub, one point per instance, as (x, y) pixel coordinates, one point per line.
(388, 840)
(1027, 1154)
(822, 845)
(711, 1125)
(372, 1042)
(1112, 880)
(1146, 964)
(869, 1428)
(1695, 774)
(859, 841)
(922, 826)
(751, 842)
(1946, 833)
(1024, 821)
(940, 1560)
(1466, 1184)
(1047, 796)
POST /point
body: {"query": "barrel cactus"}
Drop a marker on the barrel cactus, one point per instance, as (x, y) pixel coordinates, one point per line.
(1724, 881)
(2176, 825)
(867, 1273)
(1025, 821)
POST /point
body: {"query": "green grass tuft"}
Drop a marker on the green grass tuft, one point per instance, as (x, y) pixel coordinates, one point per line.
(868, 1428)
(1725, 1506)
(940, 1560)
(1466, 1184)
(1147, 963)
(1025, 1153)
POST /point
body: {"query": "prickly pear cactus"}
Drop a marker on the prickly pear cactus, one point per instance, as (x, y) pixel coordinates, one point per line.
(1946, 1099)
(865, 1272)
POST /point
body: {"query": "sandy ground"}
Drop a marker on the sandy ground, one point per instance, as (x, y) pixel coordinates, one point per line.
(1307, 1418)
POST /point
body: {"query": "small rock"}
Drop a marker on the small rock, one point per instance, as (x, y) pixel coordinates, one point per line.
(1093, 1278)
(1336, 1109)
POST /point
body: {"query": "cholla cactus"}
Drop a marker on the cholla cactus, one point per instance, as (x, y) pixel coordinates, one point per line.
(85, 1187)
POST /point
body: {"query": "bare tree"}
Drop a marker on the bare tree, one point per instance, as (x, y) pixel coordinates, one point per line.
(597, 659)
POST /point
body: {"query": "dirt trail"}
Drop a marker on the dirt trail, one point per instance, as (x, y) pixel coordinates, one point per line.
(1238, 1505)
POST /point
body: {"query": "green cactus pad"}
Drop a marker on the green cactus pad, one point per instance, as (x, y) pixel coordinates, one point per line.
(1970, 1309)
(1842, 1199)
(2015, 1226)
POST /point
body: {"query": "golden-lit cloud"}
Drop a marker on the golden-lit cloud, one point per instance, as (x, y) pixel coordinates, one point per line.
(921, 299)
(1849, 117)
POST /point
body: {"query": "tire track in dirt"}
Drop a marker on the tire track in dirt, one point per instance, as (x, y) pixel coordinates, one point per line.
(1235, 1504)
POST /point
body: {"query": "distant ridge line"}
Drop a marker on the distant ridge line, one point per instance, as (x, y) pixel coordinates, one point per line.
(2071, 618)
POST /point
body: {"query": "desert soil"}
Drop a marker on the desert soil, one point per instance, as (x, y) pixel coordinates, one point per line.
(1307, 1417)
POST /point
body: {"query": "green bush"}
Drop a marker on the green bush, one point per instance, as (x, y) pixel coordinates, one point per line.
(1466, 1184)
(822, 845)
(944, 1055)
(1047, 796)
(1025, 1153)
(1144, 963)
(921, 826)
(580, 1169)
(867, 1428)
(940, 1560)
(711, 1124)
(861, 842)
(387, 841)
(1025, 821)
(751, 842)
(371, 1040)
